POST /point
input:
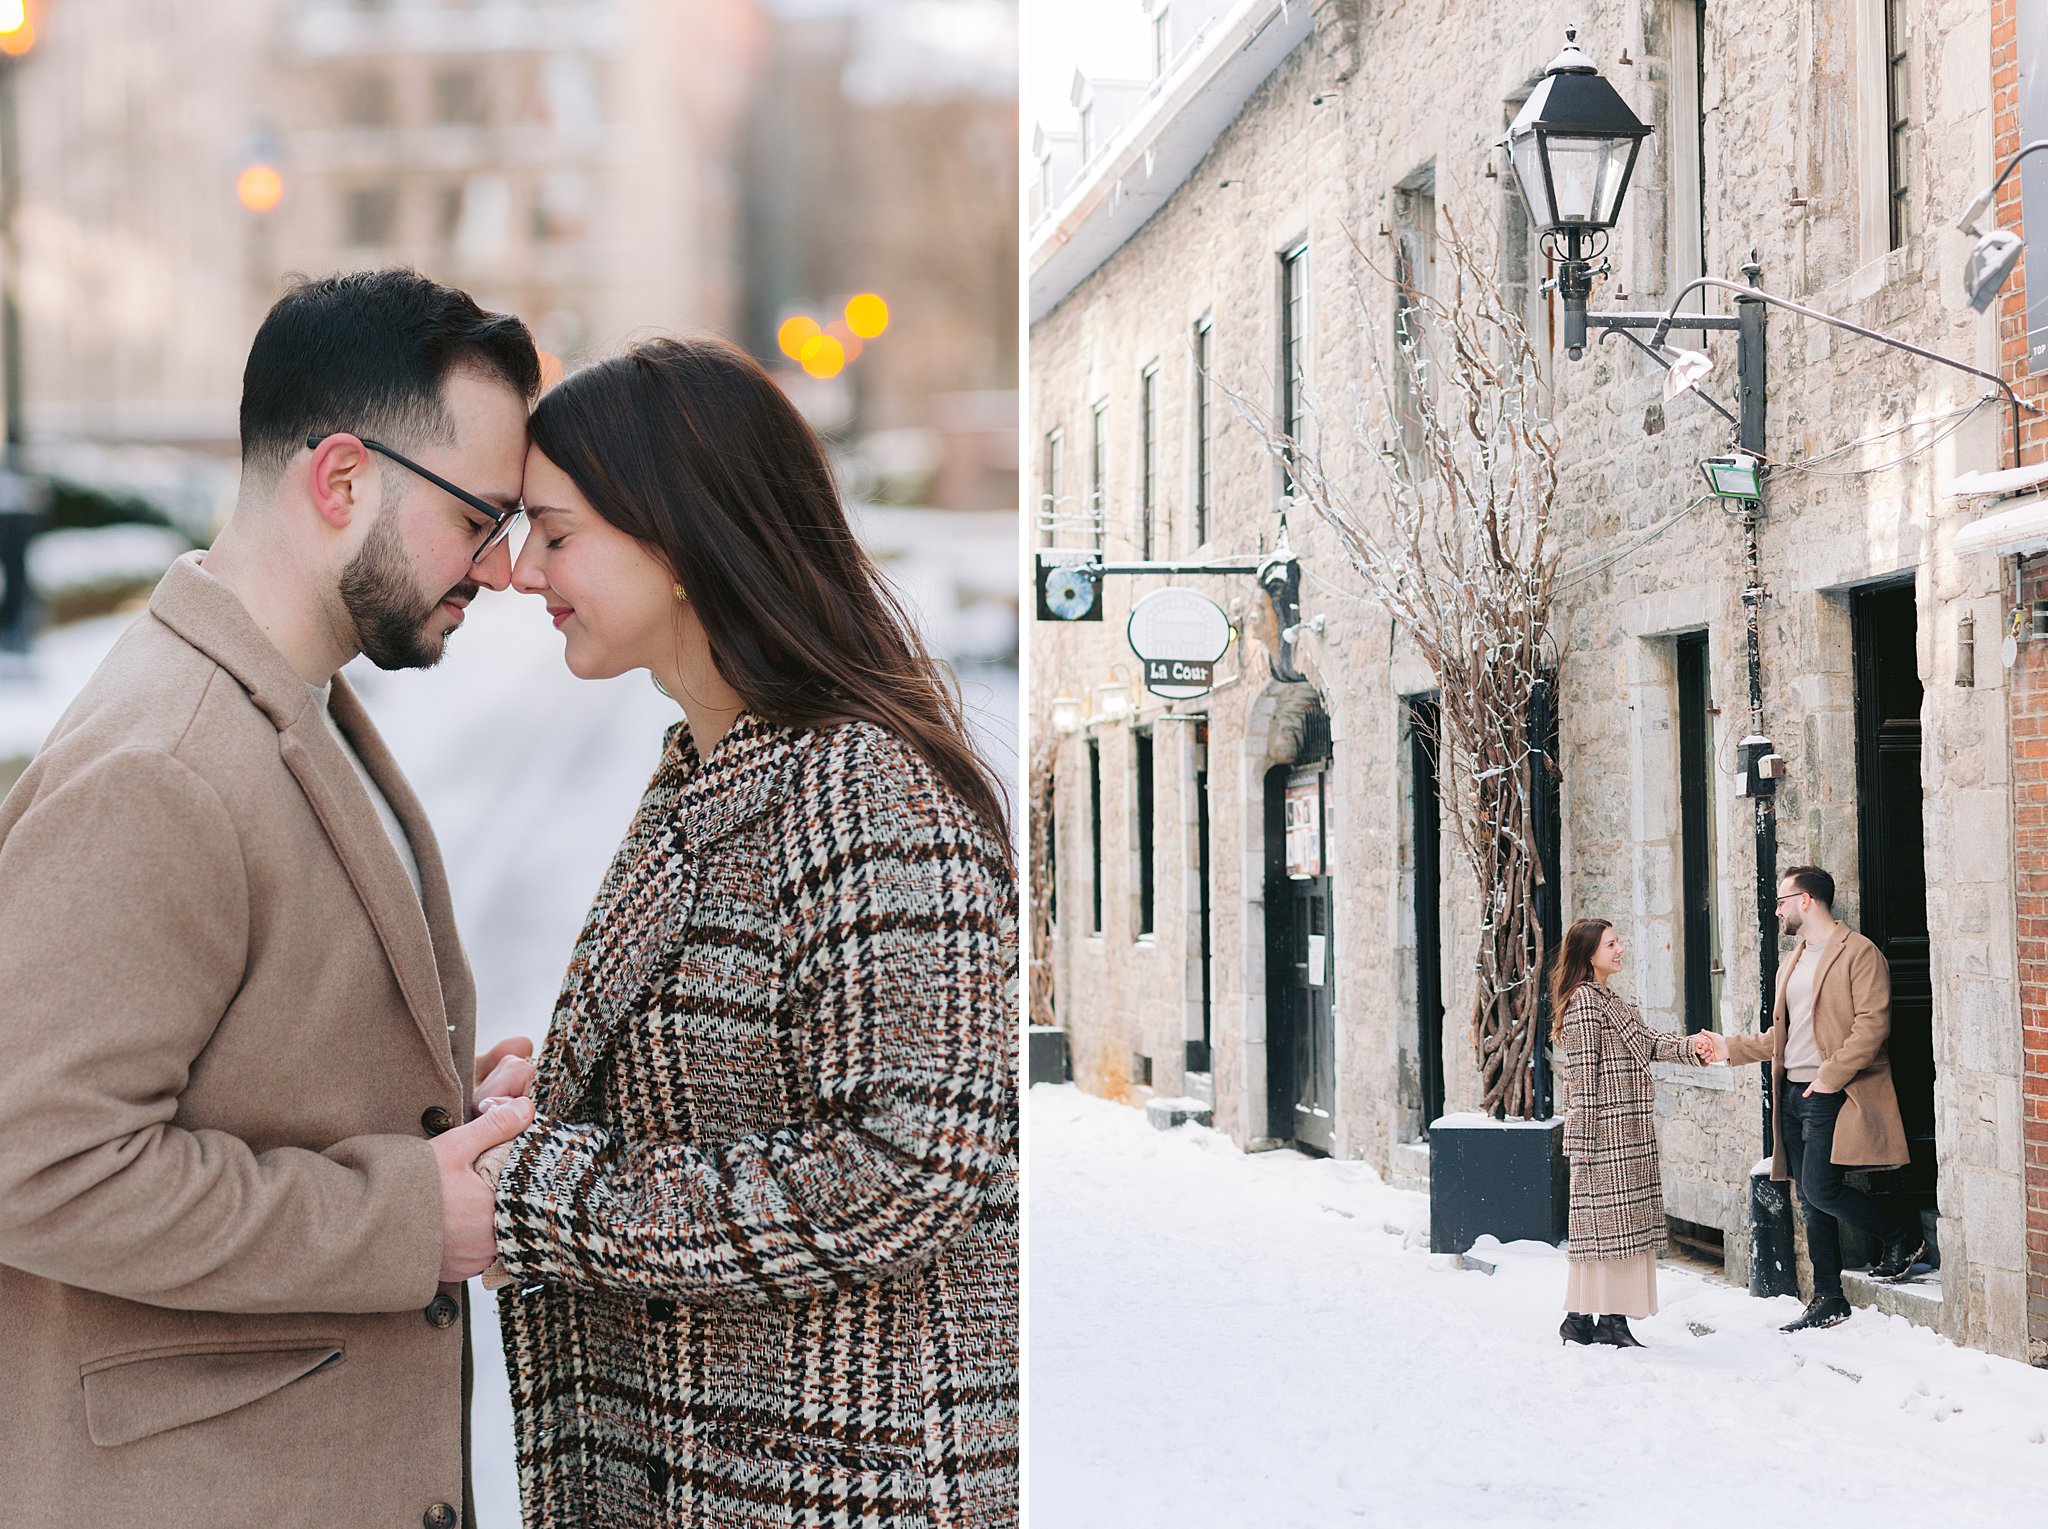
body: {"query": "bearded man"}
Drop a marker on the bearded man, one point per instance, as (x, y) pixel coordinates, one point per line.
(237, 1198)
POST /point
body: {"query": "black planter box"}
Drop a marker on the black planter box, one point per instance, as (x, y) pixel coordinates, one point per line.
(1501, 1178)
(1048, 1061)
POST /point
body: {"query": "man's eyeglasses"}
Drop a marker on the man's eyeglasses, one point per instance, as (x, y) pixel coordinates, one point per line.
(502, 519)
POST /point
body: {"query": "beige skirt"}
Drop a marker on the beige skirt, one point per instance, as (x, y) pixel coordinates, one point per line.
(1612, 1287)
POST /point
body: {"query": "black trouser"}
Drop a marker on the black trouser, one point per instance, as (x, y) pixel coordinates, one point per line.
(1825, 1196)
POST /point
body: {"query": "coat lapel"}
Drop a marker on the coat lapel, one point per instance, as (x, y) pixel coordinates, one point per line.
(454, 986)
(206, 614)
(1829, 955)
(643, 909)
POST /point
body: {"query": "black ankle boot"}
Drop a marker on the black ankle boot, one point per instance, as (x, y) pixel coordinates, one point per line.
(1614, 1332)
(1576, 1328)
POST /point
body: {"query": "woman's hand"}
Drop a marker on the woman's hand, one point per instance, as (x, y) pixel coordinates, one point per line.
(504, 1072)
(1709, 1047)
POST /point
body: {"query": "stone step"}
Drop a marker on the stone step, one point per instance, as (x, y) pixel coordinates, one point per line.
(1918, 1300)
(1165, 1114)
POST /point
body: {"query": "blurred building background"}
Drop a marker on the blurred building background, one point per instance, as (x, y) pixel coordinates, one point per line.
(600, 167)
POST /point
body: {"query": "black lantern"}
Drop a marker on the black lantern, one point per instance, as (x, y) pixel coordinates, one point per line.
(1574, 144)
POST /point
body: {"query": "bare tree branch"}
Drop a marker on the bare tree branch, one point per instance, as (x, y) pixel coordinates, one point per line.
(1453, 538)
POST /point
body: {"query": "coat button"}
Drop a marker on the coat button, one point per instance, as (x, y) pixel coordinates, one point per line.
(440, 1516)
(661, 1309)
(442, 1311)
(436, 1118)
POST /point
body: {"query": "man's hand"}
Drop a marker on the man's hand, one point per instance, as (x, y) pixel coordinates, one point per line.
(468, 1238)
(1815, 1088)
(504, 1072)
(1707, 1046)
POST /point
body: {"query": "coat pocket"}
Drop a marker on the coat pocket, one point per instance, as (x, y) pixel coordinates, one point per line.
(131, 1396)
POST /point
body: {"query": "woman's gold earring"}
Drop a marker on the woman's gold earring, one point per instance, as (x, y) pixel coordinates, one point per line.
(682, 598)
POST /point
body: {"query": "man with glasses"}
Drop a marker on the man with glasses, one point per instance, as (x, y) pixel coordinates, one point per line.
(238, 1205)
(1832, 1082)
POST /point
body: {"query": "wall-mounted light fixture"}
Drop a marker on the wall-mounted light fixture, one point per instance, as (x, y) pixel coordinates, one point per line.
(1734, 476)
(1066, 715)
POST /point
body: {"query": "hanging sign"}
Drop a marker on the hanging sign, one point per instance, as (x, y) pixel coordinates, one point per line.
(1179, 634)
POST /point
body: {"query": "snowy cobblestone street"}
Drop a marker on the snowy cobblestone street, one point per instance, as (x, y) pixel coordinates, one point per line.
(1220, 1340)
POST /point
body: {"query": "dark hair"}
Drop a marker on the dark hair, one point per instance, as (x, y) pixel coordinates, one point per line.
(689, 446)
(1573, 968)
(1814, 882)
(368, 351)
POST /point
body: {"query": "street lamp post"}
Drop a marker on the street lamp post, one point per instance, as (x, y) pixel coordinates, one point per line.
(1573, 146)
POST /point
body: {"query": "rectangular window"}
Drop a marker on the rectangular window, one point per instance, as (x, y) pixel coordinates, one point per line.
(370, 217)
(458, 98)
(1896, 121)
(1204, 338)
(1055, 473)
(1144, 820)
(1052, 857)
(1414, 282)
(1702, 970)
(1688, 147)
(1087, 132)
(366, 99)
(1293, 355)
(1098, 470)
(1161, 55)
(1095, 836)
(1148, 459)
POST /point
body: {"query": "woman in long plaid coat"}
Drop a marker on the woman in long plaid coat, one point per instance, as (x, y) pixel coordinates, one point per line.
(1617, 1225)
(761, 1239)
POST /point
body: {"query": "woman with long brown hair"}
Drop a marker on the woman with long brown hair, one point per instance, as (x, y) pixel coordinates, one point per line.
(761, 1239)
(1617, 1225)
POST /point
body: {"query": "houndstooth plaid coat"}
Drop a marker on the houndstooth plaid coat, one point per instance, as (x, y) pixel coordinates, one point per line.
(764, 1230)
(1610, 1124)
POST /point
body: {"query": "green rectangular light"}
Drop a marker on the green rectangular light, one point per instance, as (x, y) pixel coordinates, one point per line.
(1734, 476)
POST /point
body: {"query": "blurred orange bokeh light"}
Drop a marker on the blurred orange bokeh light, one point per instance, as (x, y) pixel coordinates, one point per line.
(260, 187)
(17, 31)
(823, 356)
(848, 340)
(795, 333)
(867, 315)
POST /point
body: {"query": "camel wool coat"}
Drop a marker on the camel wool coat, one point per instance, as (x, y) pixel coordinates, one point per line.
(1852, 1018)
(1610, 1124)
(764, 1230)
(224, 1013)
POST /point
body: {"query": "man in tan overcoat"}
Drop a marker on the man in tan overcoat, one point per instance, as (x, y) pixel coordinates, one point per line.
(237, 1205)
(1831, 1081)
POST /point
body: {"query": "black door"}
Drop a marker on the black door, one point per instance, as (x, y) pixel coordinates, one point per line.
(1301, 1029)
(1198, 1051)
(1893, 870)
(1426, 811)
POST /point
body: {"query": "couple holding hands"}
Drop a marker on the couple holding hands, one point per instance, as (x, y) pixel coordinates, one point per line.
(753, 1216)
(1835, 1110)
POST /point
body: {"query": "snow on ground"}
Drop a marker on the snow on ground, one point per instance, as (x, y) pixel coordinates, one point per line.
(1219, 1340)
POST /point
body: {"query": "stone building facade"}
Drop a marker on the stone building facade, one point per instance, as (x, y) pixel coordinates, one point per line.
(1279, 161)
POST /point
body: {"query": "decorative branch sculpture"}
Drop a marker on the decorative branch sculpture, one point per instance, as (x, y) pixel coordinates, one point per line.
(1451, 533)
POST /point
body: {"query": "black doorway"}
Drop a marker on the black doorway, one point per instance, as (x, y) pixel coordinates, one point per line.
(1892, 872)
(1198, 1050)
(1301, 1035)
(1425, 810)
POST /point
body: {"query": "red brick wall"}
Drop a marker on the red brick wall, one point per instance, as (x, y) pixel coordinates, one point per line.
(2027, 714)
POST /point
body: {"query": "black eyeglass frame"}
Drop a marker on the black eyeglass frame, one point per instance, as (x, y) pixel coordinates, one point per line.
(502, 519)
